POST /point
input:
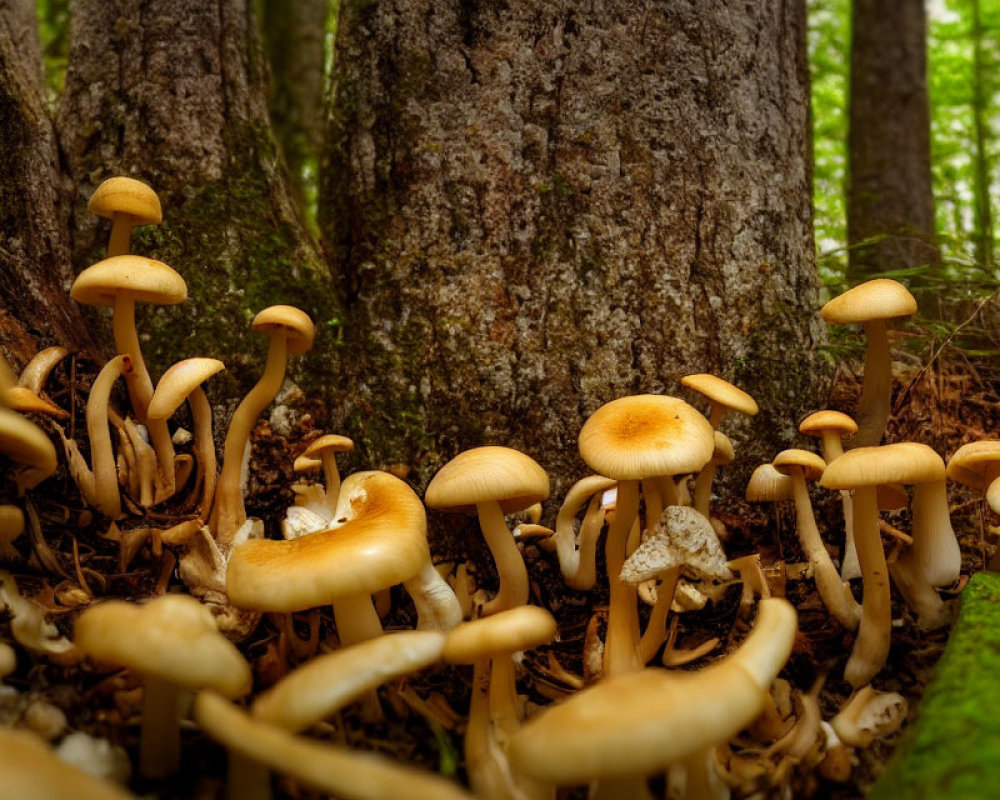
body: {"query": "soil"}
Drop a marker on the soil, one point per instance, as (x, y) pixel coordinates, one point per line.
(70, 564)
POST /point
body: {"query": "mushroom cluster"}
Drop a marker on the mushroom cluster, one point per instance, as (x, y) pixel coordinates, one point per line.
(727, 721)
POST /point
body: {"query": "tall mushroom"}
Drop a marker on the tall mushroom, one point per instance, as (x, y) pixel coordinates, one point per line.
(631, 439)
(493, 481)
(291, 333)
(127, 203)
(873, 304)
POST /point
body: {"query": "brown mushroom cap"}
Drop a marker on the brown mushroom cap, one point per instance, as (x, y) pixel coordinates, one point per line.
(382, 542)
(722, 392)
(646, 435)
(828, 420)
(331, 443)
(812, 465)
(173, 637)
(491, 473)
(126, 196)
(290, 321)
(503, 633)
(144, 279)
(902, 462)
(882, 298)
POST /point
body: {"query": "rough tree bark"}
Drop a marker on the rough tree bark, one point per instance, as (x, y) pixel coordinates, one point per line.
(890, 207)
(539, 207)
(174, 92)
(294, 34)
(35, 271)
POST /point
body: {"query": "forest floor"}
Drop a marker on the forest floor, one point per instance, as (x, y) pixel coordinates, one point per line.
(942, 403)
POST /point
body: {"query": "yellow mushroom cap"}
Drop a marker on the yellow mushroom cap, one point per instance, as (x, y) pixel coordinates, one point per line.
(722, 392)
(331, 443)
(640, 722)
(902, 462)
(767, 485)
(27, 445)
(293, 323)
(173, 637)
(382, 541)
(828, 420)
(178, 382)
(503, 633)
(971, 462)
(484, 474)
(327, 683)
(329, 768)
(32, 771)
(646, 435)
(126, 196)
(882, 298)
(812, 465)
(144, 279)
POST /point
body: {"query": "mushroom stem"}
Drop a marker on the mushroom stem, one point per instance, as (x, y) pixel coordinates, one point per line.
(245, 778)
(632, 787)
(503, 696)
(160, 737)
(576, 552)
(331, 476)
(701, 778)
(106, 497)
(621, 649)
(120, 241)
(513, 590)
(356, 618)
(656, 627)
(873, 405)
(836, 594)
(703, 489)
(871, 647)
(653, 499)
(438, 609)
(140, 385)
(715, 416)
(204, 446)
(484, 762)
(228, 512)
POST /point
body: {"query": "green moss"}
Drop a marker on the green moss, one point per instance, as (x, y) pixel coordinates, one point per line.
(953, 749)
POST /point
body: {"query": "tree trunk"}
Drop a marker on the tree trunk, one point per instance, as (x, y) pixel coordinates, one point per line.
(35, 271)
(294, 34)
(539, 207)
(174, 92)
(890, 208)
(983, 230)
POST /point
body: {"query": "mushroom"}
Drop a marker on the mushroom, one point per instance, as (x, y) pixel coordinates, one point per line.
(22, 399)
(32, 771)
(862, 470)
(173, 642)
(37, 370)
(291, 333)
(327, 768)
(800, 466)
(379, 539)
(722, 395)
(127, 203)
(493, 481)
(183, 381)
(977, 465)
(873, 304)
(631, 725)
(121, 282)
(488, 643)
(683, 540)
(325, 448)
(11, 526)
(830, 427)
(27, 446)
(869, 713)
(632, 439)
(577, 554)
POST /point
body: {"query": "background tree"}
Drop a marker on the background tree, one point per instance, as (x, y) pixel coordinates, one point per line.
(890, 206)
(538, 207)
(174, 92)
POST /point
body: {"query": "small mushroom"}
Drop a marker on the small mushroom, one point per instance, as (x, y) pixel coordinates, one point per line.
(127, 203)
(325, 448)
(291, 333)
(577, 553)
(27, 446)
(173, 642)
(36, 371)
(722, 395)
(874, 304)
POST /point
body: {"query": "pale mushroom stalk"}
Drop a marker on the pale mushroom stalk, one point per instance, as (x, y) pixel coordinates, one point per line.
(576, 553)
(621, 649)
(438, 609)
(873, 405)
(488, 774)
(105, 478)
(653, 500)
(204, 446)
(871, 647)
(656, 627)
(228, 511)
(356, 618)
(513, 574)
(836, 594)
(145, 462)
(140, 385)
(120, 239)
